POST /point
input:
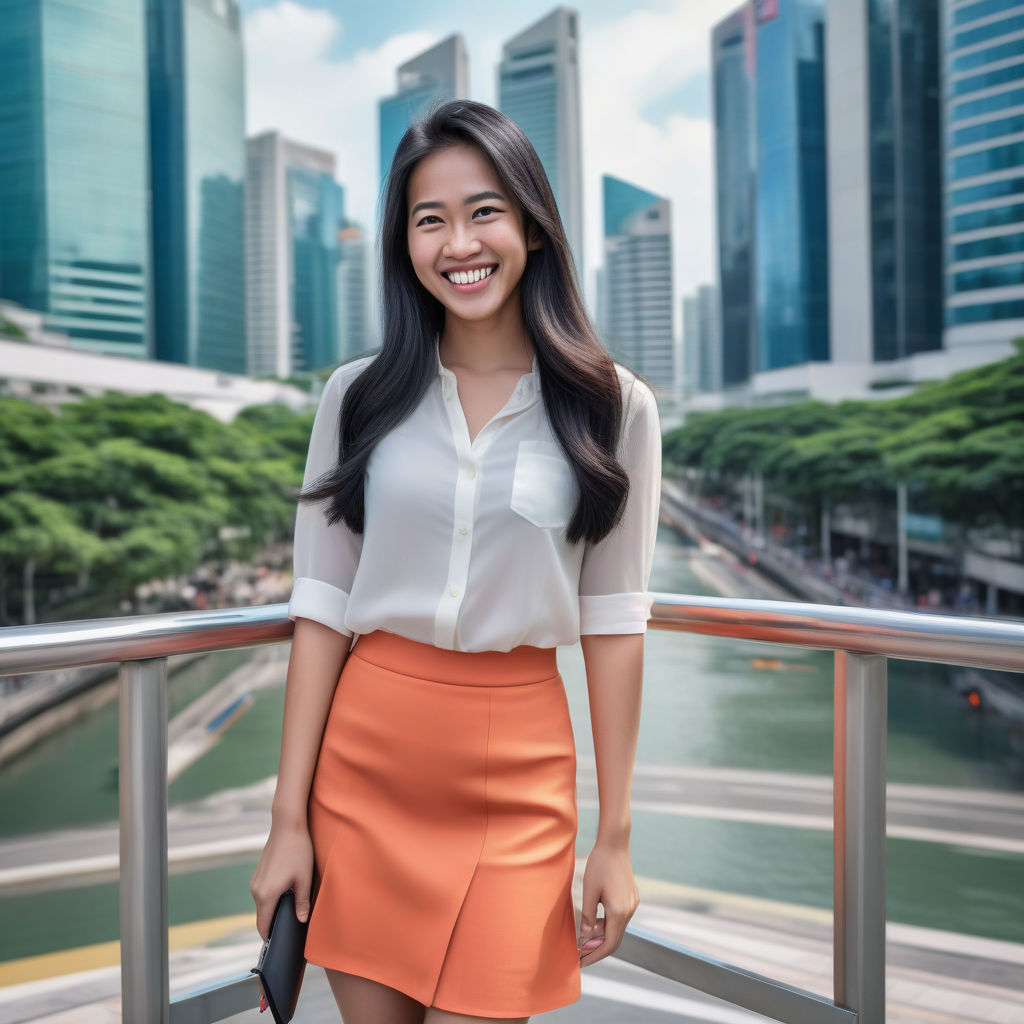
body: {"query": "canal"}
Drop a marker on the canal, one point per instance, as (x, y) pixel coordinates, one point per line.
(707, 702)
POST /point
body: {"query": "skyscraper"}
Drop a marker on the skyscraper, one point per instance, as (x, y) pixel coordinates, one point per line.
(355, 335)
(197, 156)
(74, 206)
(791, 232)
(884, 179)
(638, 279)
(539, 88)
(440, 73)
(984, 102)
(294, 210)
(702, 346)
(732, 63)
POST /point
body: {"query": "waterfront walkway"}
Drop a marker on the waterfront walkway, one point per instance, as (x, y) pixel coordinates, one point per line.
(233, 824)
(933, 977)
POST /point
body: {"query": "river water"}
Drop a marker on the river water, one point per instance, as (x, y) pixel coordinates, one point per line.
(707, 701)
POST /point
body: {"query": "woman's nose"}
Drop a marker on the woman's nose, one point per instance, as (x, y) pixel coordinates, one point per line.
(460, 244)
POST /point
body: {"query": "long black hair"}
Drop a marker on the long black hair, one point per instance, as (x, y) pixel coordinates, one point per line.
(579, 381)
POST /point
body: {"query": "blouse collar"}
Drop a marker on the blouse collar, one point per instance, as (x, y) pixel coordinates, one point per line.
(528, 386)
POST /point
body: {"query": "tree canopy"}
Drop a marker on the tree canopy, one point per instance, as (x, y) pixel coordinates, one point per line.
(109, 492)
(959, 442)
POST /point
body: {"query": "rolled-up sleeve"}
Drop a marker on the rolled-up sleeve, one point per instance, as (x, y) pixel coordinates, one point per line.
(326, 556)
(615, 572)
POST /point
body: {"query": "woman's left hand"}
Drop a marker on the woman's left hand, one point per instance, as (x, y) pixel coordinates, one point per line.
(608, 880)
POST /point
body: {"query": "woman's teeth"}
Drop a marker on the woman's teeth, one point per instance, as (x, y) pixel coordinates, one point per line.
(468, 276)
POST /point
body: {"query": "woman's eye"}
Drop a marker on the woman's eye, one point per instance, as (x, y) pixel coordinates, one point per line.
(485, 210)
(429, 216)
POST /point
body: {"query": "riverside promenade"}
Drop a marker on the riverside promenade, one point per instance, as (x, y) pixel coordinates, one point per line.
(934, 976)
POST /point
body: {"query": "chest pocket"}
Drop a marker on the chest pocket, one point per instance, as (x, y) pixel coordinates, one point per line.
(543, 485)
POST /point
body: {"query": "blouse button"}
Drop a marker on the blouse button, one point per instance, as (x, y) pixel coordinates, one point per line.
(463, 528)
(454, 591)
(471, 472)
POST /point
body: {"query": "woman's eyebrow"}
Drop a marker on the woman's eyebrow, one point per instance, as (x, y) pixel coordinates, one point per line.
(434, 205)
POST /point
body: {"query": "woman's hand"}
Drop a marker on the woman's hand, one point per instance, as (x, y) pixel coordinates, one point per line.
(608, 880)
(286, 863)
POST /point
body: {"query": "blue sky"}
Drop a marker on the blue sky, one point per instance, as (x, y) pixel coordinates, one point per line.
(316, 68)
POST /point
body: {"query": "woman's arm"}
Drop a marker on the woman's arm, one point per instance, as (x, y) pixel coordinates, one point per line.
(317, 657)
(614, 607)
(326, 558)
(615, 666)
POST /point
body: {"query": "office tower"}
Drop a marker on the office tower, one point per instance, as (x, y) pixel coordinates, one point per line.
(688, 368)
(74, 208)
(539, 88)
(732, 63)
(884, 179)
(638, 280)
(702, 344)
(791, 230)
(197, 157)
(440, 73)
(294, 210)
(984, 163)
(354, 326)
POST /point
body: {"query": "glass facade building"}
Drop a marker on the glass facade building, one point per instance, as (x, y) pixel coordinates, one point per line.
(355, 336)
(440, 73)
(791, 220)
(539, 88)
(294, 212)
(702, 347)
(906, 176)
(732, 67)
(884, 179)
(984, 148)
(316, 206)
(197, 154)
(637, 280)
(74, 207)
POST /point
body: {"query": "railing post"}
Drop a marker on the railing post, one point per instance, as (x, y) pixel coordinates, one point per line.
(142, 786)
(858, 797)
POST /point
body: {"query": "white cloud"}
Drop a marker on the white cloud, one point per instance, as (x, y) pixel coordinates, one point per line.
(295, 86)
(626, 65)
(292, 85)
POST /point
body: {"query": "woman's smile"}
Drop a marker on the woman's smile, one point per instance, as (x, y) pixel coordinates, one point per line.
(474, 279)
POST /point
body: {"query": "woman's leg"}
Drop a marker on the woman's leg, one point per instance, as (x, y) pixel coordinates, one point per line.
(438, 1016)
(363, 1001)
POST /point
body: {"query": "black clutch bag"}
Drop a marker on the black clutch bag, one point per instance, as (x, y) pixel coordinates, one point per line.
(282, 961)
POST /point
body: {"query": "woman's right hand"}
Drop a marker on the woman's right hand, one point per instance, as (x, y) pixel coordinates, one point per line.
(286, 863)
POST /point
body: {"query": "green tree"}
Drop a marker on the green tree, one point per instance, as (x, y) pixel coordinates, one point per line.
(35, 533)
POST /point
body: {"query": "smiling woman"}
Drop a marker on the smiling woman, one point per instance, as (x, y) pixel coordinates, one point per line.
(467, 238)
(483, 490)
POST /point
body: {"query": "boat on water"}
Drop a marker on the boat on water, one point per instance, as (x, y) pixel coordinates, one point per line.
(989, 689)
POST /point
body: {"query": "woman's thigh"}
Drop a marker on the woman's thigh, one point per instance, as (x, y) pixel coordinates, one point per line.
(435, 1015)
(364, 1001)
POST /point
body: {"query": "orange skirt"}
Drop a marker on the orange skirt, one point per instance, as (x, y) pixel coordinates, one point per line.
(443, 818)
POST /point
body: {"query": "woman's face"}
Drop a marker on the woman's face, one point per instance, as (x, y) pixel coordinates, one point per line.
(465, 227)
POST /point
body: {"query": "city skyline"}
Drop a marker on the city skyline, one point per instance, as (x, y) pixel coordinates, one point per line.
(660, 107)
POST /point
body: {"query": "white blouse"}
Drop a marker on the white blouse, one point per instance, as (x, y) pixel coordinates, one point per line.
(464, 543)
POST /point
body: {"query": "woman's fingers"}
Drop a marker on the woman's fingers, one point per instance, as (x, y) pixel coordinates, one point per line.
(606, 936)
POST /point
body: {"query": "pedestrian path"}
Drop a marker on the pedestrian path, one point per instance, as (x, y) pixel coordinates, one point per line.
(234, 823)
(933, 977)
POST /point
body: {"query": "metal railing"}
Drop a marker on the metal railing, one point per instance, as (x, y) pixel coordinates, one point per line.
(862, 639)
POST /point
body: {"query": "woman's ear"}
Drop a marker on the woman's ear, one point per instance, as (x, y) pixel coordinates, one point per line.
(534, 237)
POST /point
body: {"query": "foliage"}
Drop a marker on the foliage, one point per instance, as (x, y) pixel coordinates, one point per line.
(958, 442)
(110, 492)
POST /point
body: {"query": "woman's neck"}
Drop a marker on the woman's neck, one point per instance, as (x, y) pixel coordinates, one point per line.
(486, 345)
